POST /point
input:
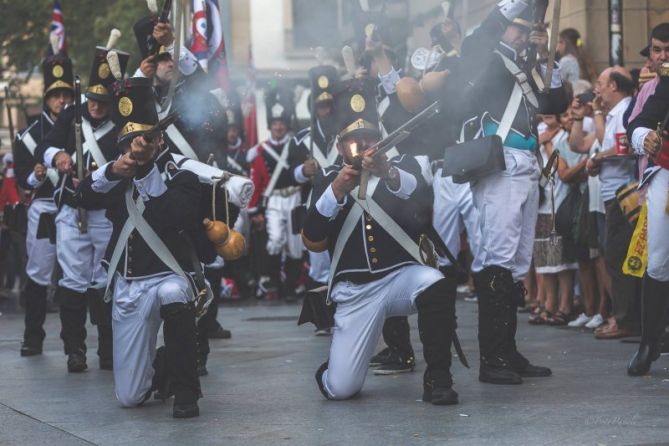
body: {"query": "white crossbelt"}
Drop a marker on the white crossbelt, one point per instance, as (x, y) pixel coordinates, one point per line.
(31, 145)
(390, 226)
(280, 166)
(509, 115)
(347, 228)
(521, 79)
(136, 221)
(91, 138)
(175, 135)
(316, 151)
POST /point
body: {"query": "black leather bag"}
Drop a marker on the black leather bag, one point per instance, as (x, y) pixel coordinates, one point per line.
(566, 216)
(474, 159)
(46, 227)
(297, 216)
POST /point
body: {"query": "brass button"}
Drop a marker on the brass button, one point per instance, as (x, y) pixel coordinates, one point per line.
(370, 238)
(129, 271)
(375, 260)
(372, 250)
(368, 227)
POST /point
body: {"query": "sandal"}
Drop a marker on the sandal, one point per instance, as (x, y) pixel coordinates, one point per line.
(558, 319)
(538, 316)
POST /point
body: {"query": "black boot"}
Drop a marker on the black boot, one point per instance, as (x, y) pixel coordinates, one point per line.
(203, 341)
(181, 347)
(436, 326)
(319, 379)
(100, 313)
(73, 328)
(35, 302)
(396, 334)
(293, 269)
(495, 286)
(519, 363)
(654, 302)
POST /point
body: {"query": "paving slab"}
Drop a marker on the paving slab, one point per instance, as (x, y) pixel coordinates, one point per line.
(261, 391)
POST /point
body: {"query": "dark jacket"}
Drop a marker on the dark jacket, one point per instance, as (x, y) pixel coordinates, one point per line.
(25, 157)
(62, 136)
(179, 209)
(370, 252)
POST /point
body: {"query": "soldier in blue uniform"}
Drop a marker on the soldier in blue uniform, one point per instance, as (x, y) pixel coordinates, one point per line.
(80, 253)
(504, 96)
(376, 269)
(41, 180)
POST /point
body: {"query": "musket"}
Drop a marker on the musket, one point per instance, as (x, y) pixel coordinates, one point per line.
(158, 128)
(538, 16)
(390, 141)
(153, 45)
(83, 223)
(10, 120)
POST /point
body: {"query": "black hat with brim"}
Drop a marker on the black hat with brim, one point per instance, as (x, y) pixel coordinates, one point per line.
(134, 110)
(355, 108)
(101, 78)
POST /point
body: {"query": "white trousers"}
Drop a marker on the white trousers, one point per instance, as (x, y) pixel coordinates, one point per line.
(658, 226)
(80, 255)
(41, 252)
(508, 203)
(319, 266)
(280, 237)
(361, 311)
(135, 324)
(454, 211)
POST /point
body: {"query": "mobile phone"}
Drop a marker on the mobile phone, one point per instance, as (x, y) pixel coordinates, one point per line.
(586, 97)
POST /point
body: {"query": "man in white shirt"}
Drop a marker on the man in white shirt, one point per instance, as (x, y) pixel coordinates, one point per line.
(615, 88)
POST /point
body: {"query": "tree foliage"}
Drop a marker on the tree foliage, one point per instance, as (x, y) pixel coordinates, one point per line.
(24, 31)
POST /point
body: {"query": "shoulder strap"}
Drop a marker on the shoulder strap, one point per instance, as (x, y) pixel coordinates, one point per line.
(347, 228)
(29, 142)
(91, 139)
(280, 165)
(510, 112)
(180, 142)
(521, 79)
(391, 227)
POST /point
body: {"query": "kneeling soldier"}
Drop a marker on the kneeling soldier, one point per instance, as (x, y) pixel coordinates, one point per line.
(376, 269)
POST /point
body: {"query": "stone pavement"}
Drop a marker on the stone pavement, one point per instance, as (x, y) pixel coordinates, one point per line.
(261, 391)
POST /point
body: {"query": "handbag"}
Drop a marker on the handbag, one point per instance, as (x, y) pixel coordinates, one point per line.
(477, 158)
(474, 159)
(628, 200)
(566, 216)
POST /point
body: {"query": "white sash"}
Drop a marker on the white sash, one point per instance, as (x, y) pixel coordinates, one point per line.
(180, 142)
(521, 79)
(31, 145)
(175, 135)
(347, 228)
(91, 138)
(136, 221)
(280, 165)
(390, 226)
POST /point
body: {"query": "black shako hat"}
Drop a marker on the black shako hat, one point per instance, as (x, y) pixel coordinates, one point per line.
(58, 73)
(134, 110)
(280, 105)
(101, 79)
(355, 107)
(323, 83)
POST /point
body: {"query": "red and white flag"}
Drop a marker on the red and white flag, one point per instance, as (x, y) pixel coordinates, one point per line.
(199, 46)
(208, 44)
(57, 29)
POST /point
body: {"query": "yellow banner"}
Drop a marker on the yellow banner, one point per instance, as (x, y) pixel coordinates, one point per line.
(637, 253)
